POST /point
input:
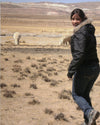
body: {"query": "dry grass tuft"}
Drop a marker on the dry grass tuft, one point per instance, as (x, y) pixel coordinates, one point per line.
(48, 111)
(65, 95)
(3, 85)
(34, 102)
(33, 86)
(9, 94)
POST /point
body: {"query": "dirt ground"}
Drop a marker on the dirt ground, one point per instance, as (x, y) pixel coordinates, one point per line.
(34, 86)
(35, 89)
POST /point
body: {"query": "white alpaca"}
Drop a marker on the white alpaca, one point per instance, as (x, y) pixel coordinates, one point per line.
(65, 40)
(16, 37)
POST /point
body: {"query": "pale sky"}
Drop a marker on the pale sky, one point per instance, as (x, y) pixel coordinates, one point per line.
(58, 1)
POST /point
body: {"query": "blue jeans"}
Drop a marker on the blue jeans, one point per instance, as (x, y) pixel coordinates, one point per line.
(83, 82)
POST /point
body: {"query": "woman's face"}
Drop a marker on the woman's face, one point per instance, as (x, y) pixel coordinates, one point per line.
(76, 20)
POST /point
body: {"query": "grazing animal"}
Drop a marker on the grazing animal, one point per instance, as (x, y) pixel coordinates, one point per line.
(17, 37)
(66, 40)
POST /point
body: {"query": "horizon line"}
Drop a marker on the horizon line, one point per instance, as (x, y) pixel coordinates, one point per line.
(50, 2)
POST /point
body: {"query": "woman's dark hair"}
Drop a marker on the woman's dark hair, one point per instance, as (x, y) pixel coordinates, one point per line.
(80, 13)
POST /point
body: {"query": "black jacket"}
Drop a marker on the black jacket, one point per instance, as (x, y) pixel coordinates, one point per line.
(83, 47)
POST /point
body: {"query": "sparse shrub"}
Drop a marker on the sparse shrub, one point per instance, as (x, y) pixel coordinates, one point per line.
(42, 60)
(2, 69)
(65, 94)
(78, 108)
(48, 111)
(98, 83)
(60, 56)
(43, 65)
(54, 83)
(49, 74)
(28, 94)
(23, 42)
(33, 86)
(9, 94)
(6, 59)
(1, 77)
(18, 61)
(55, 73)
(61, 61)
(51, 69)
(60, 116)
(3, 34)
(17, 68)
(2, 85)
(21, 78)
(22, 74)
(28, 57)
(34, 76)
(13, 55)
(46, 79)
(34, 102)
(27, 70)
(34, 65)
(15, 85)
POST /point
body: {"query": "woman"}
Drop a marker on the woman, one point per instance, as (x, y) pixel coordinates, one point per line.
(84, 65)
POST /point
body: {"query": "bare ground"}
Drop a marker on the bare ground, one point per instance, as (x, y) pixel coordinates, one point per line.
(35, 89)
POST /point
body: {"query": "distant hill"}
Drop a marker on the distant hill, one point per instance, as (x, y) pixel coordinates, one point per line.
(48, 9)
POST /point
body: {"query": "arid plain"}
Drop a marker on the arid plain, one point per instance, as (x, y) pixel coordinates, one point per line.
(34, 86)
